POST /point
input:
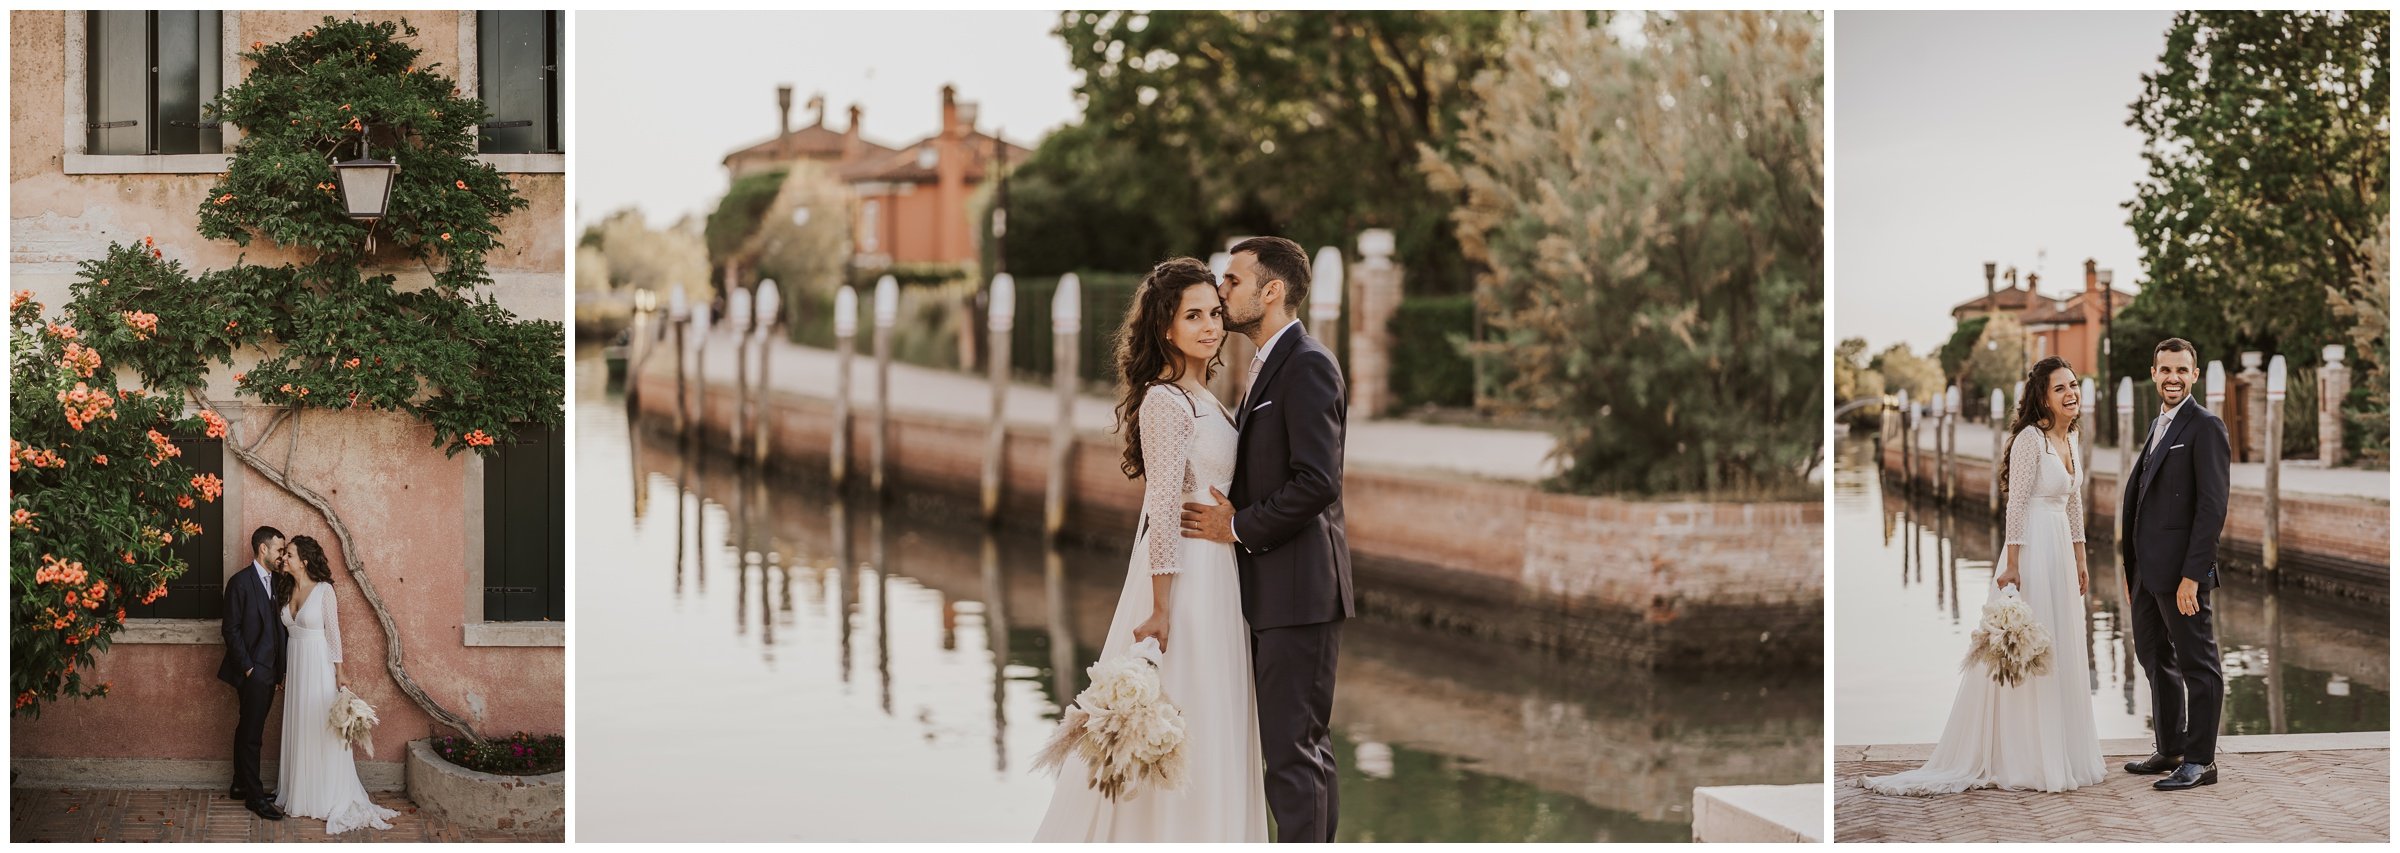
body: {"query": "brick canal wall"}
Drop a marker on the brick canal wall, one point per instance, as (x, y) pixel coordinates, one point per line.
(2341, 538)
(1656, 585)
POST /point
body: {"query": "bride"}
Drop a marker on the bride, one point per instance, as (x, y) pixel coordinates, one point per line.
(2037, 735)
(1184, 592)
(318, 777)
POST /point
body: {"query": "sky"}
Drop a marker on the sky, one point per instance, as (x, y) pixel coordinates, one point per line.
(661, 98)
(1965, 137)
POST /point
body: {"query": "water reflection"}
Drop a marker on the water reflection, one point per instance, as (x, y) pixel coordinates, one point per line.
(895, 693)
(2294, 661)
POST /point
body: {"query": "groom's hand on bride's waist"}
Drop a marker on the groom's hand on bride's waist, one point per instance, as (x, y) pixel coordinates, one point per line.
(1213, 522)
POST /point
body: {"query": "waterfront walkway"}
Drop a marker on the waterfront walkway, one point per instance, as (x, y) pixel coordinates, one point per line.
(2308, 787)
(1396, 445)
(2300, 476)
(102, 814)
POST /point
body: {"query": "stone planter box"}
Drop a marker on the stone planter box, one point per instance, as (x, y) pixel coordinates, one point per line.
(483, 800)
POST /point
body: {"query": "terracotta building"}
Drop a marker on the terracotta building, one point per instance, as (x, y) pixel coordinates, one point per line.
(909, 205)
(2070, 325)
(468, 552)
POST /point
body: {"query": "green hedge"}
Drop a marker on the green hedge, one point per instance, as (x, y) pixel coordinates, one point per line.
(1428, 366)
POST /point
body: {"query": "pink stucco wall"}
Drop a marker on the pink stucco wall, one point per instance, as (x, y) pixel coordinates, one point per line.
(405, 503)
(402, 501)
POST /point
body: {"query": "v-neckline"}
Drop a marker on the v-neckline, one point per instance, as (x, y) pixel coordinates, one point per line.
(2064, 459)
(296, 605)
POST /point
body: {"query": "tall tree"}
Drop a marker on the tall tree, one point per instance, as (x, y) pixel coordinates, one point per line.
(2269, 148)
(1300, 124)
(1647, 205)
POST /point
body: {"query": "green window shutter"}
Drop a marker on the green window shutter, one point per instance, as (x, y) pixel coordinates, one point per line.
(199, 593)
(117, 91)
(517, 55)
(524, 529)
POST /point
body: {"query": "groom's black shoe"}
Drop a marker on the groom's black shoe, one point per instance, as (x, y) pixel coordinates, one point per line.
(264, 809)
(2154, 765)
(2188, 776)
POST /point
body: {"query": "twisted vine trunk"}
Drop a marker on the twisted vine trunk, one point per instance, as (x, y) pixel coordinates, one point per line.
(394, 656)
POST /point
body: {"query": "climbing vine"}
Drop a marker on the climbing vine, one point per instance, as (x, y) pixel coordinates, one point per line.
(94, 487)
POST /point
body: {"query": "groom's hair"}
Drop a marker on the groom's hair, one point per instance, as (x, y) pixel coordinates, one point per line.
(260, 537)
(2176, 345)
(1282, 259)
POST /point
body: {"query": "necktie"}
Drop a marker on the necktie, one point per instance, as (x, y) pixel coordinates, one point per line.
(1251, 380)
(2158, 430)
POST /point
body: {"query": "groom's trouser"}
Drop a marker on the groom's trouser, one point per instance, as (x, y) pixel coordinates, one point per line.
(249, 735)
(2187, 683)
(1294, 668)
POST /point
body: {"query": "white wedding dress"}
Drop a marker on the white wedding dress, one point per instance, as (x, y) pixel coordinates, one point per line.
(318, 777)
(1187, 445)
(2038, 735)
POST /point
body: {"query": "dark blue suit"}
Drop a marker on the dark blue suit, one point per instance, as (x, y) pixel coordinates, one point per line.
(254, 639)
(2174, 512)
(1295, 572)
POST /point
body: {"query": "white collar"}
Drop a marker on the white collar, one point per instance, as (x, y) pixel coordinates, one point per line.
(1269, 346)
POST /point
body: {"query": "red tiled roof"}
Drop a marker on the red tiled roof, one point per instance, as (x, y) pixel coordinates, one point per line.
(813, 142)
(902, 166)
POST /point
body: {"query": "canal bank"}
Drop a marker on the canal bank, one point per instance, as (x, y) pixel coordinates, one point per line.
(1914, 574)
(1451, 513)
(867, 670)
(2335, 531)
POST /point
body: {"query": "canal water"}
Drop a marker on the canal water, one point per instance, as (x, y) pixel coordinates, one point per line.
(1911, 578)
(759, 660)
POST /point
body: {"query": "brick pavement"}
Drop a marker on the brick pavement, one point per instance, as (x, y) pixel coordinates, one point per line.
(95, 814)
(2312, 795)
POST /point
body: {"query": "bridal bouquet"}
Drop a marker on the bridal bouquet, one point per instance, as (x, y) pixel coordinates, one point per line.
(2008, 641)
(353, 720)
(1123, 728)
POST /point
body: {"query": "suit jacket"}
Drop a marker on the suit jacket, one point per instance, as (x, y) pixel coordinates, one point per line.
(1287, 485)
(2174, 503)
(254, 634)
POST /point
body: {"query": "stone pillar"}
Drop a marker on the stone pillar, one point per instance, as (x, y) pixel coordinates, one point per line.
(2253, 435)
(2333, 383)
(1374, 300)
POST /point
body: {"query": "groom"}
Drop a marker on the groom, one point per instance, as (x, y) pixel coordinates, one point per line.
(254, 638)
(1295, 561)
(2173, 510)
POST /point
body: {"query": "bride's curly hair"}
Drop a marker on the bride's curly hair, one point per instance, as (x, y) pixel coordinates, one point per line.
(312, 561)
(2033, 407)
(1144, 357)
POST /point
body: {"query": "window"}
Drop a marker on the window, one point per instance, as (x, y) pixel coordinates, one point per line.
(199, 593)
(525, 529)
(517, 59)
(869, 226)
(147, 75)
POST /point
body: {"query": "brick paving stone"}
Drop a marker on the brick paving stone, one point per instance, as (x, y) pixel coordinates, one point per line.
(99, 814)
(2323, 795)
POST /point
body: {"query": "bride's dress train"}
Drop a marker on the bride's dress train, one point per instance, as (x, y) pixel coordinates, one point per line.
(318, 776)
(1206, 672)
(2038, 735)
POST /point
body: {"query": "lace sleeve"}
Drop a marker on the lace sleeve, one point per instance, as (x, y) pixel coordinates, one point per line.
(333, 624)
(1167, 429)
(2075, 490)
(2024, 467)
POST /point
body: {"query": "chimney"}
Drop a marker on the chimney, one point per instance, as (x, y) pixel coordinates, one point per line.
(2091, 275)
(2033, 284)
(949, 111)
(783, 110)
(816, 104)
(850, 140)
